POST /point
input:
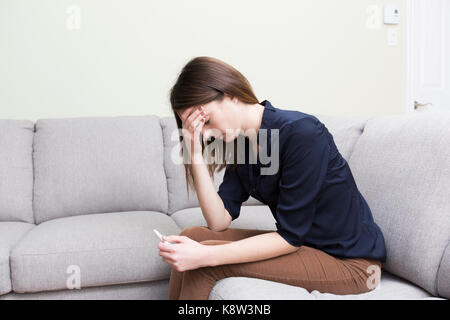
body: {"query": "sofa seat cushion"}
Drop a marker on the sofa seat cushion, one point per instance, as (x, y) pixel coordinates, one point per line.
(10, 234)
(91, 250)
(252, 217)
(242, 288)
(152, 290)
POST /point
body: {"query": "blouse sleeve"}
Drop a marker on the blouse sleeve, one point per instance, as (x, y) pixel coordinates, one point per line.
(232, 192)
(304, 164)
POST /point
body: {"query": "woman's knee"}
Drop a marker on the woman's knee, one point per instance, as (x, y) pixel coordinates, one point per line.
(373, 272)
(214, 242)
(194, 232)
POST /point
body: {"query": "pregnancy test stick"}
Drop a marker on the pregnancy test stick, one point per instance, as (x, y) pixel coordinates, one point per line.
(160, 237)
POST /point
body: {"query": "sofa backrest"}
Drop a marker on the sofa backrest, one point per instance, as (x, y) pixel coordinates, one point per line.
(401, 165)
(98, 164)
(345, 130)
(16, 170)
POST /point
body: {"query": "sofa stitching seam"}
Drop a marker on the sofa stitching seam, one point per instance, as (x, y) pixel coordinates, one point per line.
(436, 289)
(164, 165)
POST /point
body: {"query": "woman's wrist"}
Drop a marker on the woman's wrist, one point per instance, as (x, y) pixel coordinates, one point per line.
(196, 158)
(209, 256)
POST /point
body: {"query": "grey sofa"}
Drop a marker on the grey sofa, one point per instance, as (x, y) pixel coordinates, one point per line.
(79, 198)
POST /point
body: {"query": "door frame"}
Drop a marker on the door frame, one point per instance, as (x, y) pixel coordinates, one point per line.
(413, 12)
(410, 54)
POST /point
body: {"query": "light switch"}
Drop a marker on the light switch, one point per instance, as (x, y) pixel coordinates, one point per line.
(373, 17)
(392, 36)
(391, 14)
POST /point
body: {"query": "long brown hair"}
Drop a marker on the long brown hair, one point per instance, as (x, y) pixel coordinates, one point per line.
(202, 80)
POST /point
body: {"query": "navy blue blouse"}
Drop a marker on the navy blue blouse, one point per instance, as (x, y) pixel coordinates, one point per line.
(312, 195)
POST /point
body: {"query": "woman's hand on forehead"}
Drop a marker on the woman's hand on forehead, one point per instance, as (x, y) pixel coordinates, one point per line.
(187, 112)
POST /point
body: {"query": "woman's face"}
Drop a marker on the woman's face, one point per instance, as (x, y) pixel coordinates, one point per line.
(221, 122)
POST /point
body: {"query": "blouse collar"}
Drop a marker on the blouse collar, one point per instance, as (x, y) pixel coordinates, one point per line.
(267, 107)
(265, 123)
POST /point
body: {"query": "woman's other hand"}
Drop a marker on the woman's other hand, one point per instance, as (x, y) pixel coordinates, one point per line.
(185, 253)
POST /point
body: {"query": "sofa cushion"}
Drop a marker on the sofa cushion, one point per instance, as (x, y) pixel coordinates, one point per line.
(10, 234)
(251, 217)
(152, 290)
(97, 165)
(242, 288)
(401, 166)
(97, 249)
(16, 170)
(174, 168)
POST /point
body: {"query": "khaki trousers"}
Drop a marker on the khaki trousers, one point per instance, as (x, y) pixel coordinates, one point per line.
(307, 267)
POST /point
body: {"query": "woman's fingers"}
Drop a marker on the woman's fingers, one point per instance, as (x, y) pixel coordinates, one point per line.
(166, 257)
(193, 123)
(175, 238)
(168, 261)
(197, 126)
(183, 116)
(166, 247)
(198, 129)
(197, 121)
(193, 116)
(197, 115)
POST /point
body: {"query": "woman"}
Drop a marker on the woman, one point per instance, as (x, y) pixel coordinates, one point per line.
(325, 238)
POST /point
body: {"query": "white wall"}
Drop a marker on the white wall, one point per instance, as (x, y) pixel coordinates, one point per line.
(316, 56)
